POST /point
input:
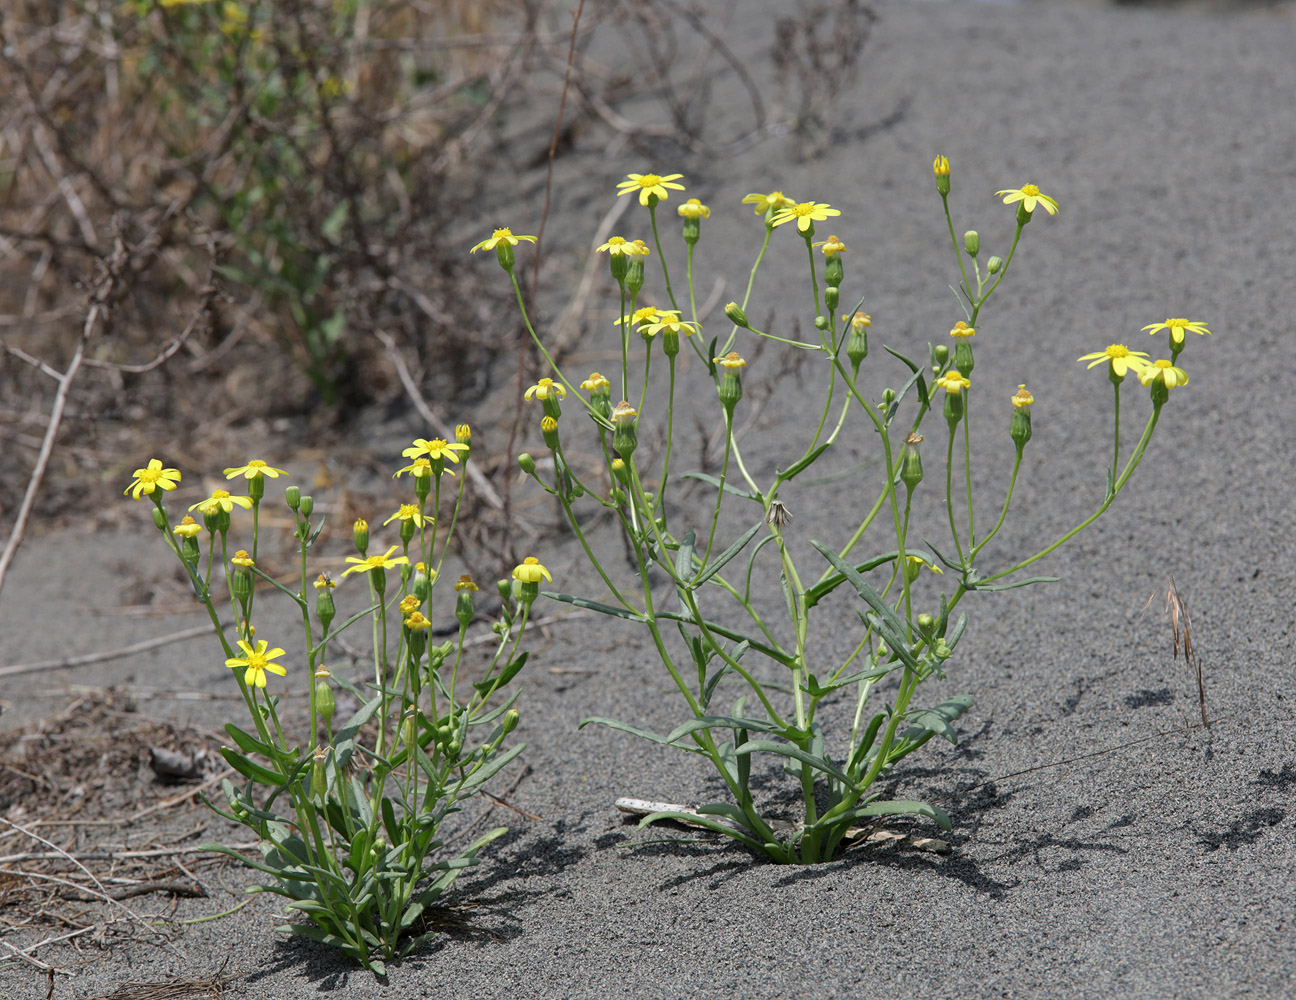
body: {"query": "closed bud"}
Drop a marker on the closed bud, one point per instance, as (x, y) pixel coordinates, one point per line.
(159, 519)
(941, 168)
(325, 701)
(241, 584)
(941, 354)
(510, 721)
(736, 316)
(911, 470)
(831, 298)
(307, 506)
(821, 322)
(833, 272)
(527, 463)
(994, 265)
(422, 585)
(972, 242)
(360, 535)
(292, 497)
(888, 396)
(624, 436)
(925, 622)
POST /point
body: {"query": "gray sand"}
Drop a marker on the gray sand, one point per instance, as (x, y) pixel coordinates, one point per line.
(1164, 869)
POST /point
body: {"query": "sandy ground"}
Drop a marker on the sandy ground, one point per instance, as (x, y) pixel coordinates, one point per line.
(1166, 868)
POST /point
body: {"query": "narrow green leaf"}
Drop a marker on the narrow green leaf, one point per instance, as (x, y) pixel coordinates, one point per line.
(801, 464)
(509, 672)
(814, 594)
(251, 769)
(719, 722)
(889, 623)
(692, 819)
(787, 750)
(901, 808)
(727, 488)
(718, 563)
(987, 587)
(632, 730)
(247, 742)
(604, 609)
(684, 556)
(937, 720)
(861, 753)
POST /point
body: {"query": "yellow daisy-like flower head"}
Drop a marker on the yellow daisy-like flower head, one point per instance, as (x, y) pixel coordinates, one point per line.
(530, 571)
(241, 558)
(941, 166)
(637, 248)
(324, 582)
(953, 383)
(256, 662)
(858, 321)
(961, 329)
(596, 384)
(731, 361)
(418, 468)
(832, 246)
(1164, 372)
(417, 622)
(644, 314)
(409, 604)
(694, 209)
(1022, 398)
(616, 246)
(437, 448)
(1177, 328)
(545, 388)
(650, 185)
(187, 528)
(221, 502)
(1029, 195)
(775, 200)
(255, 469)
(805, 214)
(501, 235)
(670, 320)
(623, 413)
(384, 561)
(1121, 358)
(408, 512)
(150, 478)
(465, 583)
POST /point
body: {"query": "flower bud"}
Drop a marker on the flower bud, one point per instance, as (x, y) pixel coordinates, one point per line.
(941, 650)
(888, 396)
(360, 535)
(510, 721)
(159, 519)
(307, 506)
(942, 355)
(972, 242)
(292, 497)
(857, 346)
(925, 622)
(624, 421)
(911, 470)
(422, 586)
(833, 271)
(994, 264)
(831, 297)
(736, 316)
(324, 609)
(730, 387)
(325, 701)
(527, 463)
(635, 276)
(821, 322)
(941, 168)
(241, 585)
(464, 610)
(1020, 430)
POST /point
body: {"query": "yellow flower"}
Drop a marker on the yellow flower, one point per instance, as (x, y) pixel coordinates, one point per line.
(832, 246)
(465, 583)
(648, 185)
(407, 512)
(646, 314)
(1165, 372)
(417, 622)
(623, 412)
(1122, 359)
(531, 571)
(941, 167)
(150, 478)
(1029, 195)
(187, 528)
(918, 562)
(256, 662)
(409, 604)
(254, 469)
(805, 214)
(596, 384)
(1022, 398)
(671, 321)
(434, 449)
(384, 561)
(220, 500)
(419, 468)
(731, 361)
(324, 582)
(764, 202)
(241, 558)
(637, 249)
(617, 246)
(503, 235)
(545, 388)
(859, 320)
(961, 329)
(953, 383)
(694, 209)
(1177, 327)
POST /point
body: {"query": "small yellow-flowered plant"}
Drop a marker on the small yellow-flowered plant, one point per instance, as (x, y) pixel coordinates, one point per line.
(501, 235)
(1177, 328)
(221, 502)
(253, 469)
(256, 662)
(384, 561)
(1120, 357)
(546, 388)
